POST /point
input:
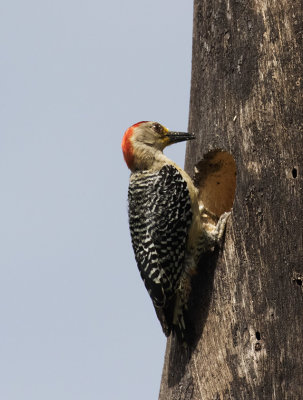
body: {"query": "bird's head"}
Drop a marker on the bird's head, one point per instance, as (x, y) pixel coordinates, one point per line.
(143, 140)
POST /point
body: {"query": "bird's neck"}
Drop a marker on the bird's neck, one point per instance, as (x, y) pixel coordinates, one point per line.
(149, 159)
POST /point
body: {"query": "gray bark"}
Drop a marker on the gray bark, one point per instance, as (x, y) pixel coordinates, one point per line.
(247, 300)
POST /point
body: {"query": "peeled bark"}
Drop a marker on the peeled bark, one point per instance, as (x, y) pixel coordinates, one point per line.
(247, 300)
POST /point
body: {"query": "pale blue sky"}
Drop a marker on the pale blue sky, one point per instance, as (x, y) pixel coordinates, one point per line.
(75, 319)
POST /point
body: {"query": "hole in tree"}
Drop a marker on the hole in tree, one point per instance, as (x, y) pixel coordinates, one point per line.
(215, 177)
(298, 281)
(258, 335)
(294, 172)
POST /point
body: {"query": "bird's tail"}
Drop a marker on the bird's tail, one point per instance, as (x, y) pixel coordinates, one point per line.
(181, 325)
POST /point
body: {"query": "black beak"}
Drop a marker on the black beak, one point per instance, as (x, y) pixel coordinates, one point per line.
(176, 137)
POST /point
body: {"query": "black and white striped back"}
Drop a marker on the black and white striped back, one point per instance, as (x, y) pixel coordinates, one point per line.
(160, 217)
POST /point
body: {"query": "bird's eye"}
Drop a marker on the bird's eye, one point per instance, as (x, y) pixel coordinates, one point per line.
(157, 128)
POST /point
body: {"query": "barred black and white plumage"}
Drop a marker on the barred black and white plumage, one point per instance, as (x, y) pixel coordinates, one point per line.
(165, 222)
(159, 218)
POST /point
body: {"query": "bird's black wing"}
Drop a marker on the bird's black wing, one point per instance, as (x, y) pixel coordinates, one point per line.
(160, 216)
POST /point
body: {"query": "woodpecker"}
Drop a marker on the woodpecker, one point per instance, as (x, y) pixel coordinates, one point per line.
(166, 226)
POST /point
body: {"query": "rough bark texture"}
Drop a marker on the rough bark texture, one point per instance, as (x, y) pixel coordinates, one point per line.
(247, 302)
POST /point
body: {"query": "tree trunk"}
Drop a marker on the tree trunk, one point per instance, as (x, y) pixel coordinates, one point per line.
(247, 300)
